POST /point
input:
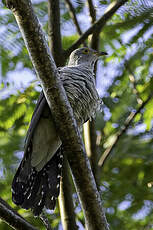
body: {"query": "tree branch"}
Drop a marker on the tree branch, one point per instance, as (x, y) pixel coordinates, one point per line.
(74, 18)
(92, 11)
(45, 221)
(91, 147)
(126, 125)
(63, 114)
(97, 26)
(55, 32)
(90, 125)
(73, 15)
(65, 208)
(66, 201)
(12, 218)
(94, 40)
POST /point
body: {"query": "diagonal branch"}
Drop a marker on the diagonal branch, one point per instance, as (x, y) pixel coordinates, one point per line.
(97, 26)
(94, 40)
(62, 112)
(45, 221)
(74, 18)
(127, 123)
(73, 15)
(12, 218)
(92, 11)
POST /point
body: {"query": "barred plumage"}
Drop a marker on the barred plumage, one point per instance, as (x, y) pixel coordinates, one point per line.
(37, 180)
(79, 84)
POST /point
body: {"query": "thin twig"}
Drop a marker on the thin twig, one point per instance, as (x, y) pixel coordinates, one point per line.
(94, 39)
(73, 15)
(12, 218)
(65, 199)
(97, 26)
(92, 11)
(45, 221)
(74, 18)
(126, 125)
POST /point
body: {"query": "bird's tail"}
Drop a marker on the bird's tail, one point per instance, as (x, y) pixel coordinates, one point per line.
(32, 189)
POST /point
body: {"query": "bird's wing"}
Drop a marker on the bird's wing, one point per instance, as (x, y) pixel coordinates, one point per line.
(41, 103)
(36, 182)
(42, 139)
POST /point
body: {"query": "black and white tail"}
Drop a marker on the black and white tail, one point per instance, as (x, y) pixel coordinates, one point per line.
(36, 190)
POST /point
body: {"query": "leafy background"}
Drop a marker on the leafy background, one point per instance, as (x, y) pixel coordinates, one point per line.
(124, 81)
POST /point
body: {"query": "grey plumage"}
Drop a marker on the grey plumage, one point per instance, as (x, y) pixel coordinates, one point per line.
(36, 183)
(79, 83)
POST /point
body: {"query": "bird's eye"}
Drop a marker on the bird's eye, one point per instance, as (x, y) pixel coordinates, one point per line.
(85, 51)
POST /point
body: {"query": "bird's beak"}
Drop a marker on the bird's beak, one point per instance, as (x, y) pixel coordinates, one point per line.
(100, 53)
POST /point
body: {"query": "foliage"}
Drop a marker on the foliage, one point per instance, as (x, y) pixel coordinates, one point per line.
(124, 81)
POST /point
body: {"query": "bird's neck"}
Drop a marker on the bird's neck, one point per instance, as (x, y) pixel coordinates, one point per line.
(85, 65)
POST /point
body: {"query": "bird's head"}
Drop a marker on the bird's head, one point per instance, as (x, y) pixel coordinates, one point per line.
(85, 55)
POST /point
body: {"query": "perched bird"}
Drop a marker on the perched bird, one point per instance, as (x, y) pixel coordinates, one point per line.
(37, 181)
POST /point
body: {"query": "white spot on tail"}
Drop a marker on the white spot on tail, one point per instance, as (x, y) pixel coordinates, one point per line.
(28, 196)
(59, 165)
(57, 186)
(12, 191)
(39, 203)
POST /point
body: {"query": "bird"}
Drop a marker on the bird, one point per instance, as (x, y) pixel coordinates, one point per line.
(36, 184)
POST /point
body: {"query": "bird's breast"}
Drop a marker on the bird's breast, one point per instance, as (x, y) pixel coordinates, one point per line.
(81, 92)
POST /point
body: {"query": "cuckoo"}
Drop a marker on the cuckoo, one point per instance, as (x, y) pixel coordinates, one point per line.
(36, 183)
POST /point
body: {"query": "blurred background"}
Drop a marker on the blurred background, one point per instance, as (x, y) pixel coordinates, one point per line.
(124, 128)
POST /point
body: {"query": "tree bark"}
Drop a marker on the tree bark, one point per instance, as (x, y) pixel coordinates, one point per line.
(91, 148)
(66, 201)
(91, 137)
(74, 18)
(54, 32)
(66, 208)
(97, 26)
(12, 218)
